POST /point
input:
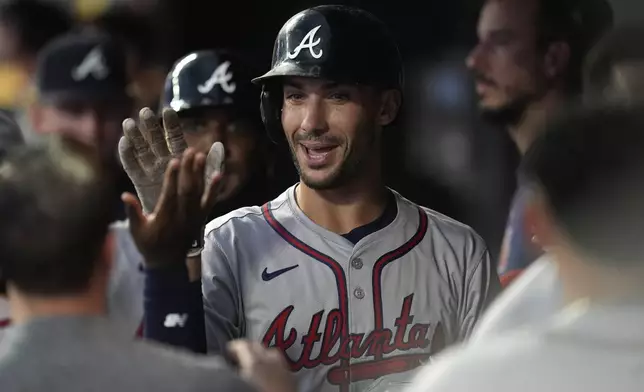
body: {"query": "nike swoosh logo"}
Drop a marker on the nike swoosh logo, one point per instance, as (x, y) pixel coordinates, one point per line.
(266, 276)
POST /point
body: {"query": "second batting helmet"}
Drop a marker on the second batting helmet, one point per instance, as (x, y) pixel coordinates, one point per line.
(210, 78)
(334, 42)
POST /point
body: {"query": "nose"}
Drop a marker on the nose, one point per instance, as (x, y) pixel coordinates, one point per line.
(474, 58)
(315, 116)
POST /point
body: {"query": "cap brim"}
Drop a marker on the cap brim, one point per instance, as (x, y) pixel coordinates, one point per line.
(290, 69)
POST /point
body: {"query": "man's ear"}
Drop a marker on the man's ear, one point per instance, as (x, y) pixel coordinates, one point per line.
(539, 223)
(557, 59)
(389, 106)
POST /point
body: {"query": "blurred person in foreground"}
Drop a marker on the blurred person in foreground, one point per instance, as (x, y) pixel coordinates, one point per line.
(10, 137)
(81, 91)
(81, 83)
(526, 65)
(585, 174)
(26, 26)
(61, 339)
(613, 72)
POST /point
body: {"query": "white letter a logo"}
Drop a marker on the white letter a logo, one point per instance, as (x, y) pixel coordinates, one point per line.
(220, 76)
(308, 42)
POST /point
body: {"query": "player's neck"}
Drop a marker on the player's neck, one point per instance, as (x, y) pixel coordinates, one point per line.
(26, 307)
(532, 121)
(343, 209)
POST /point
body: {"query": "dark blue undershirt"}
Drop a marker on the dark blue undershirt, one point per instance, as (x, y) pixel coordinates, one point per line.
(174, 306)
(388, 216)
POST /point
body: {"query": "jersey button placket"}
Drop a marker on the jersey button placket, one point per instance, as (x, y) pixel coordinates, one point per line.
(360, 305)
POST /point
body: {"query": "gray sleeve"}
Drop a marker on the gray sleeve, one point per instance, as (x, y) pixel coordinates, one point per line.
(125, 292)
(224, 316)
(480, 287)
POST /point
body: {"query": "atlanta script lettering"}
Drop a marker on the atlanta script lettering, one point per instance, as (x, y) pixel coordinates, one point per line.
(405, 336)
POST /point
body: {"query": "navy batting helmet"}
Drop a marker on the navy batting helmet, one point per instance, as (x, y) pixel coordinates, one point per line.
(209, 78)
(334, 42)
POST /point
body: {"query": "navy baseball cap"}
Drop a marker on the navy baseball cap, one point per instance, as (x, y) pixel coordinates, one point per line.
(82, 67)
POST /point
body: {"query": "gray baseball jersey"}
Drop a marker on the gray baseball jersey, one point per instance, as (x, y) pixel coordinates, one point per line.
(349, 318)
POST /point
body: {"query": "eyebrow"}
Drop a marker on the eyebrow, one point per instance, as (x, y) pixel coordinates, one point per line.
(300, 86)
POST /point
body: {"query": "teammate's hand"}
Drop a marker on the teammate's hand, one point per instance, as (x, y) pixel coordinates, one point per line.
(187, 193)
(145, 151)
(263, 367)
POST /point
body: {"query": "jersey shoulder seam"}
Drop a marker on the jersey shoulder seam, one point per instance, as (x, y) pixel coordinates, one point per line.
(254, 213)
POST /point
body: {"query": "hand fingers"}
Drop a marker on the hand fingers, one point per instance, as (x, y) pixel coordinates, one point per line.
(132, 132)
(215, 160)
(134, 212)
(275, 355)
(142, 150)
(128, 158)
(153, 133)
(209, 197)
(242, 353)
(173, 132)
(198, 168)
(167, 199)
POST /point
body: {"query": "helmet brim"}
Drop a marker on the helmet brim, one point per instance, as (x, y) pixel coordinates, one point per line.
(290, 69)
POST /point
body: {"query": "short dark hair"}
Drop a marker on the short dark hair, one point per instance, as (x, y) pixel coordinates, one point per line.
(56, 208)
(589, 165)
(623, 44)
(580, 23)
(34, 22)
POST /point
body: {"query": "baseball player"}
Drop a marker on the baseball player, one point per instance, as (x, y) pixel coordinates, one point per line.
(355, 284)
(210, 91)
(214, 101)
(612, 72)
(527, 64)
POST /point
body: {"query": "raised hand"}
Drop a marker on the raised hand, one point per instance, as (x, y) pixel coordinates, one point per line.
(180, 195)
(146, 150)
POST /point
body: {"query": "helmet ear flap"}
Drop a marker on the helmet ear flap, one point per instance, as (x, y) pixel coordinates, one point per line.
(271, 111)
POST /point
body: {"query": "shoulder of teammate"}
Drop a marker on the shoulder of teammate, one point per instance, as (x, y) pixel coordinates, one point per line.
(467, 367)
(530, 300)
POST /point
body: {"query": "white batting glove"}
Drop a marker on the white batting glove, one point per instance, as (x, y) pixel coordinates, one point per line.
(145, 151)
